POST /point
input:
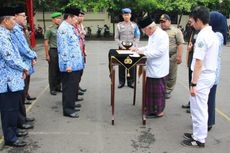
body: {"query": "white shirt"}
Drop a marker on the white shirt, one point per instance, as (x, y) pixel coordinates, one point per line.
(206, 50)
(157, 53)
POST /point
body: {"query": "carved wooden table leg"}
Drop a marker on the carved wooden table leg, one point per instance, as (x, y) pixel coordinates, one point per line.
(143, 97)
(135, 85)
(113, 93)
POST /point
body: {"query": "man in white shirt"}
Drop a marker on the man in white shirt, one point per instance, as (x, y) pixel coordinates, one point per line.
(204, 67)
(157, 66)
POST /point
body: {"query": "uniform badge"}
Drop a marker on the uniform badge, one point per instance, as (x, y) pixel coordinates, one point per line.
(200, 44)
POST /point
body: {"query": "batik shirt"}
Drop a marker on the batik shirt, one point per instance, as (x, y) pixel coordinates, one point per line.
(221, 44)
(69, 52)
(20, 41)
(11, 65)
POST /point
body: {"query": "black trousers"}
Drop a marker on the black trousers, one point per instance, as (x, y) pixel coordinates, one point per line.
(27, 84)
(212, 105)
(22, 107)
(78, 84)
(9, 106)
(189, 79)
(54, 72)
(123, 75)
(81, 73)
(189, 76)
(22, 110)
(70, 85)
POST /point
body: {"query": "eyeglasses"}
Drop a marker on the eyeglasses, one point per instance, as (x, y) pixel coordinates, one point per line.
(22, 15)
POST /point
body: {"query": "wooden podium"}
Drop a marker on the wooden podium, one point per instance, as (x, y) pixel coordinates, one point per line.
(128, 62)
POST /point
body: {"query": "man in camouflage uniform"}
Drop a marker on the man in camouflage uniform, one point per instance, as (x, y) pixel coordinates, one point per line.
(176, 41)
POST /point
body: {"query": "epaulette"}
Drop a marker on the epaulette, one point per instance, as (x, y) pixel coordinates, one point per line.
(50, 26)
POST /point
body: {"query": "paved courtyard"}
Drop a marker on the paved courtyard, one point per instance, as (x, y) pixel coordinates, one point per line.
(93, 132)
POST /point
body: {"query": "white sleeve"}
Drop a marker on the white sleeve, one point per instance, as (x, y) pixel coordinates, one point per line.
(200, 48)
(157, 47)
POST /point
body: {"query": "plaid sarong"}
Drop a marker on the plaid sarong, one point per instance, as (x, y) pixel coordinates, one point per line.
(155, 95)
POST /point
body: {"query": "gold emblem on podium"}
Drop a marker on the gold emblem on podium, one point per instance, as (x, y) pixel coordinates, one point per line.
(128, 60)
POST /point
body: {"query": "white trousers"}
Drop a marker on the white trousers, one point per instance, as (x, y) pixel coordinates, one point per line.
(199, 106)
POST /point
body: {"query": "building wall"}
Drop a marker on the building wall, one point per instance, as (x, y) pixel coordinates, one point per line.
(92, 20)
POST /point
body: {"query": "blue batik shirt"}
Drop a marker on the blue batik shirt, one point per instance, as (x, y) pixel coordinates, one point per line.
(20, 41)
(69, 52)
(11, 65)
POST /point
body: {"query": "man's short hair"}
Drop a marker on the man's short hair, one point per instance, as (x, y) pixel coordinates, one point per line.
(65, 16)
(202, 13)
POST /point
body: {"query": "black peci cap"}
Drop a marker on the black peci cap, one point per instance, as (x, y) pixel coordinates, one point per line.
(72, 10)
(7, 11)
(145, 22)
(19, 9)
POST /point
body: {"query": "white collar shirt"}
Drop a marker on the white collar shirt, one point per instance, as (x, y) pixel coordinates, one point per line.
(157, 53)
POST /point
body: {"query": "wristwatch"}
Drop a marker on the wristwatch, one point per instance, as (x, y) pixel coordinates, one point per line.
(193, 84)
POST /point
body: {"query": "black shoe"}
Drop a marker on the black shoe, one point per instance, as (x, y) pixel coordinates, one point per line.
(79, 99)
(130, 85)
(31, 98)
(30, 119)
(167, 95)
(21, 130)
(209, 128)
(17, 143)
(188, 111)
(80, 93)
(78, 105)
(121, 85)
(82, 90)
(73, 115)
(186, 106)
(26, 126)
(187, 136)
(77, 109)
(22, 133)
(193, 143)
(53, 92)
(58, 90)
(27, 102)
(150, 116)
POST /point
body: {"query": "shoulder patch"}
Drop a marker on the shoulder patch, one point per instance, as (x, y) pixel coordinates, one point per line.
(200, 44)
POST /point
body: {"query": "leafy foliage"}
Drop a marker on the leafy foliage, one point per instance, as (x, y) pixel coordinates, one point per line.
(139, 7)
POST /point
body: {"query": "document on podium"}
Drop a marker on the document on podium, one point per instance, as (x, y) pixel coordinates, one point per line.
(124, 51)
(131, 53)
